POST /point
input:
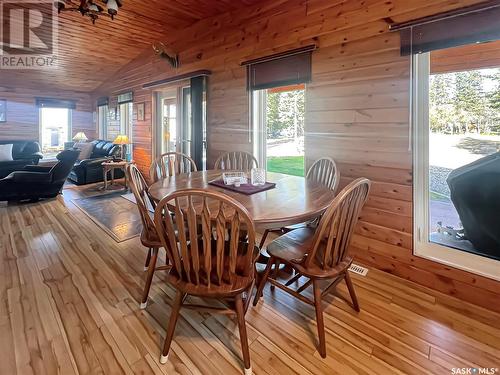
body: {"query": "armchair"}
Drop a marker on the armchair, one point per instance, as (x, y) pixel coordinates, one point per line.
(23, 153)
(35, 181)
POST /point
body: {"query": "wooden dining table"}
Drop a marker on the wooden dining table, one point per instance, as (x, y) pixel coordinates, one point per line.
(294, 199)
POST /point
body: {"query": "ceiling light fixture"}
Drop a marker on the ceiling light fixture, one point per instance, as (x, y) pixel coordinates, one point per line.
(90, 8)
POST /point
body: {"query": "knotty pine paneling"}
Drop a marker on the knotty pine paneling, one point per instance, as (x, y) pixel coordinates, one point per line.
(357, 110)
(88, 54)
(23, 114)
(474, 56)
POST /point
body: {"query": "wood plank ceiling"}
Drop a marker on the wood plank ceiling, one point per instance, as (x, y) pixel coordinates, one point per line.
(89, 54)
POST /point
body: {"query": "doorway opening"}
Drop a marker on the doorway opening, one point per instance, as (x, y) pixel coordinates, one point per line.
(279, 114)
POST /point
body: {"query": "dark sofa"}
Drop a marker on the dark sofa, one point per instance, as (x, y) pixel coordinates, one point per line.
(35, 181)
(24, 153)
(90, 170)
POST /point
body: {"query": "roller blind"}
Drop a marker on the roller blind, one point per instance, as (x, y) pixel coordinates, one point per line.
(126, 97)
(55, 103)
(103, 100)
(180, 77)
(474, 24)
(288, 68)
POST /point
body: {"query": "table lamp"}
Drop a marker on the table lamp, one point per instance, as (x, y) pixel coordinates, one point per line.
(80, 137)
(122, 140)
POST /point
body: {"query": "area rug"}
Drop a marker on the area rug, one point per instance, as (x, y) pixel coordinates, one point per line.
(113, 213)
(130, 197)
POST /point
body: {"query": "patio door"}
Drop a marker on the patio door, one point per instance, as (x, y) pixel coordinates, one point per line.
(456, 157)
(178, 126)
(278, 121)
(172, 126)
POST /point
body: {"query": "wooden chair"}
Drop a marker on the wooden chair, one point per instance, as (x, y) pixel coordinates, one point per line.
(149, 236)
(321, 253)
(236, 160)
(170, 164)
(208, 257)
(324, 171)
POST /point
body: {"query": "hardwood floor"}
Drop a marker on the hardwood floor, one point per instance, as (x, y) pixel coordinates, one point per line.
(70, 304)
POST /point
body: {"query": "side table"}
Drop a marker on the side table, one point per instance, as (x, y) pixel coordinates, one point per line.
(110, 166)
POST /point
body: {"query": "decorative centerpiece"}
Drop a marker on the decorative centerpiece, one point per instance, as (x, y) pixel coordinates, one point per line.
(238, 181)
(235, 178)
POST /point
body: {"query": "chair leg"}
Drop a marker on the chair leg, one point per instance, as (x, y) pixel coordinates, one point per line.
(149, 278)
(179, 297)
(276, 272)
(263, 239)
(263, 281)
(148, 259)
(350, 287)
(319, 319)
(240, 312)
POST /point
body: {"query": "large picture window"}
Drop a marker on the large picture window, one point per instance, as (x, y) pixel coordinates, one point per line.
(277, 105)
(457, 160)
(55, 130)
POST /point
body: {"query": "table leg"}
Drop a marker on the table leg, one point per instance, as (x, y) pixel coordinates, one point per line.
(105, 171)
(126, 182)
(112, 176)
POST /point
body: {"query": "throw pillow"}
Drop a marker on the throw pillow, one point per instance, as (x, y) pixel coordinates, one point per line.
(6, 152)
(85, 150)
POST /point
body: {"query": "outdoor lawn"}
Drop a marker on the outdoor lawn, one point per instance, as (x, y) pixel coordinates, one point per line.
(293, 165)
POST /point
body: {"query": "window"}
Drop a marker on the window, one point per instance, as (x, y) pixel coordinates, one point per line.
(277, 86)
(102, 118)
(55, 130)
(457, 164)
(125, 117)
(279, 129)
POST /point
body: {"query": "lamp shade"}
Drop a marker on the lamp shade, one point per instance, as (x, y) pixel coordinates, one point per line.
(80, 136)
(121, 139)
(112, 8)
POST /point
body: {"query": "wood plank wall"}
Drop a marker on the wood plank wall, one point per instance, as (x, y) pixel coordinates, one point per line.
(23, 114)
(357, 110)
(473, 56)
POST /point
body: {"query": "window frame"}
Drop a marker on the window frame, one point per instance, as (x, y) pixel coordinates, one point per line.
(258, 130)
(422, 247)
(102, 119)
